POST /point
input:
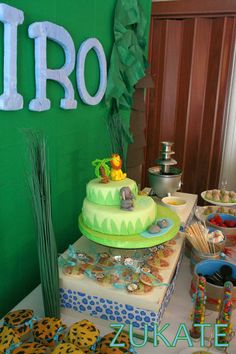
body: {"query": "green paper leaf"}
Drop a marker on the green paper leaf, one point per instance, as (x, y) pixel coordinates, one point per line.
(127, 66)
(104, 227)
(131, 230)
(123, 228)
(138, 226)
(95, 223)
(114, 229)
(100, 199)
(109, 199)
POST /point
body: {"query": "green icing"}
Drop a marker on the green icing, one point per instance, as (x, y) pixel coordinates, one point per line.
(109, 194)
(148, 223)
(138, 226)
(135, 240)
(109, 198)
(84, 219)
(105, 226)
(95, 223)
(113, 220)
(99, 196)
(123, 228)
(114, 229)
(91, 195)
(131, 229)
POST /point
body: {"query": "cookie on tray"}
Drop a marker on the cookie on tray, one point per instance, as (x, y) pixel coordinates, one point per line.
(165, 252)
(146, 279)
(84, 258)
(157, 275)
(157, 263)
(105, 260)
(138, 288)
(49, 331)
(73, 271)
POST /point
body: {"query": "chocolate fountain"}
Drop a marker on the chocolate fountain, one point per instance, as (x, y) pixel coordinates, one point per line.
(164, 178)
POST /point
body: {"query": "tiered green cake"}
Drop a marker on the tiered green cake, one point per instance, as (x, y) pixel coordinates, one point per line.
(104, 221)
(101, 209)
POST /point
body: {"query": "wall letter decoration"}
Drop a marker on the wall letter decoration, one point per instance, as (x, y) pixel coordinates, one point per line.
(40, 31)
(10, 100)
(86, 46)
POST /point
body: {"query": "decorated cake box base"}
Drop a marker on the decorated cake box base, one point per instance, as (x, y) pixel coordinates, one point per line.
(82, 293)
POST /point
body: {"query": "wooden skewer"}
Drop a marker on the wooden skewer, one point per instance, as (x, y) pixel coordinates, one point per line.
(203, 235)
(194, 240)
(206, 239)
(197, 235)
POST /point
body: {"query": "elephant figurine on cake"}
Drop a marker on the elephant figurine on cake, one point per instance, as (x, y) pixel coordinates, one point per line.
(127, 198)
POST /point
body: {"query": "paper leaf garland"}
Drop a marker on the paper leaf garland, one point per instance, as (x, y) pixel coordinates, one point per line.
(127, 66)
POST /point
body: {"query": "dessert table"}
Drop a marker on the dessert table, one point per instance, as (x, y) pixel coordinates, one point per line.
(177, 312)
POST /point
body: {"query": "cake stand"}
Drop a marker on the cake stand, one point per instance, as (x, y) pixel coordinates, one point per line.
(142, 240)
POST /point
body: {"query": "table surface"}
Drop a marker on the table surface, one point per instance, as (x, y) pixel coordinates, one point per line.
(178, 311)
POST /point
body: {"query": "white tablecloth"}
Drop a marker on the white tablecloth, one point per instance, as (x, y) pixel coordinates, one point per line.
(177, 312)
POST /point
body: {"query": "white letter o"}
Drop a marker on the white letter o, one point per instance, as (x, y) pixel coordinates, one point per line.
(86, 46)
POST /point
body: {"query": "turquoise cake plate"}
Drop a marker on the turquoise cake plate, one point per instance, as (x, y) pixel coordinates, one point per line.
(142, 240)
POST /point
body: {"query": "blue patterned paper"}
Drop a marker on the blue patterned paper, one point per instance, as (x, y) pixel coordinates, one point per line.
(112, 310)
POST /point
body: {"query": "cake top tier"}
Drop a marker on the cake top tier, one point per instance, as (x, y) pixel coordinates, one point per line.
(108, 194)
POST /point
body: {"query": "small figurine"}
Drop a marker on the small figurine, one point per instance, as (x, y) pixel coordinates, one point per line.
(102, 170)
(154, 229)
(116, 172)
(126, 199)
(163, 223)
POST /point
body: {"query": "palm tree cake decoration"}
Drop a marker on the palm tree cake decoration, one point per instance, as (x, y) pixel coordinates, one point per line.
(102, 170)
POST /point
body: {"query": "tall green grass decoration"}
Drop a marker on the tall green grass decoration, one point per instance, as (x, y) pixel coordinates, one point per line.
(47, 250)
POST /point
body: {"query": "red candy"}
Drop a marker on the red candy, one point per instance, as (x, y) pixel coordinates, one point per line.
(230, 223)
(218, 221)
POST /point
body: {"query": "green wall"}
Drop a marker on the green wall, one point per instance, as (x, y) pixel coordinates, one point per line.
(74, 137)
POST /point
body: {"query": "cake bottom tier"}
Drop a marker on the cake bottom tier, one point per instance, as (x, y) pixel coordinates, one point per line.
(138, 240)
(116, 221)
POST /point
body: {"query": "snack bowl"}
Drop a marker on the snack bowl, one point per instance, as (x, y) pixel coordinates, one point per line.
(229, 232)
(174, 203)
(214, 293)
(216, 238)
